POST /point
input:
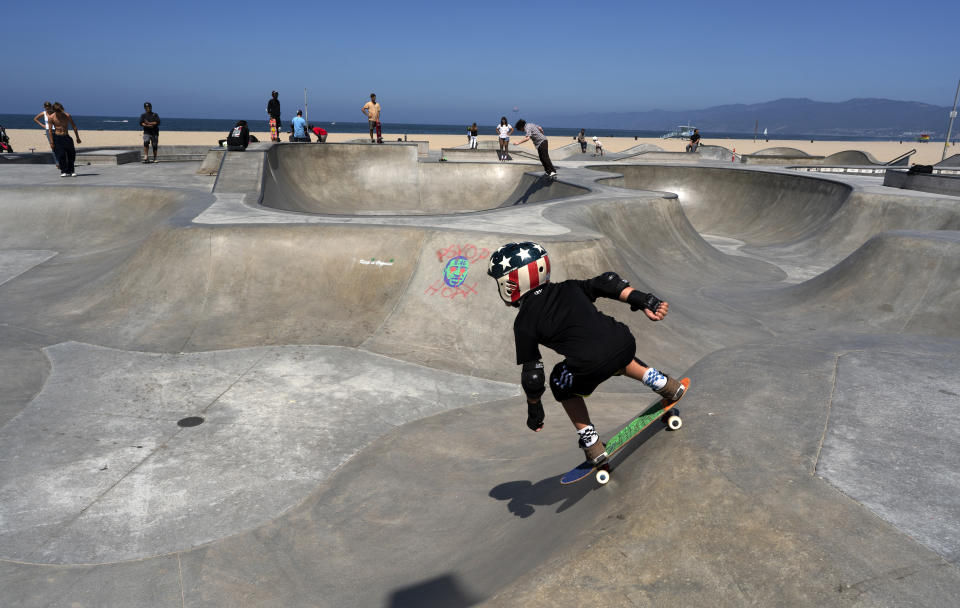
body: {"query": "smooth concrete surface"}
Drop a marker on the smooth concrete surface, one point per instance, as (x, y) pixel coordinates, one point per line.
(363, 437)
(354, 179)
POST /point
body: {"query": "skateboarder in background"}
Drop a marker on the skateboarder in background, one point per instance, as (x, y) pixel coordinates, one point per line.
(535, 132)
(371, 110)
(562, 317)
(273, 111)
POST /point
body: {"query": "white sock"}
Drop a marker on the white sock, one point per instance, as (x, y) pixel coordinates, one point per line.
(589, 435)
(654, 379)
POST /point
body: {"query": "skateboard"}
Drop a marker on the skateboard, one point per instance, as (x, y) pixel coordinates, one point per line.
(379, 134)
(661, 410)
(273, 130)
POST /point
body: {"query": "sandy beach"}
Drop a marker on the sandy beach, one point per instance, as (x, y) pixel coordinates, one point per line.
(927, 153)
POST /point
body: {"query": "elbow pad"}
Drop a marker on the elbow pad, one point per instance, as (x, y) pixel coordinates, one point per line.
(532, 379)
(609, 285)
(638, 300)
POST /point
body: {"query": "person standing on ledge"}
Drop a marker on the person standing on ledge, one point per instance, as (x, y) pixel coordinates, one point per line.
(535, 132)
(273, 111)
(371, 110)
(151, 131)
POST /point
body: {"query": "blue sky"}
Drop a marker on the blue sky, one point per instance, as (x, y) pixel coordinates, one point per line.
(459, 61)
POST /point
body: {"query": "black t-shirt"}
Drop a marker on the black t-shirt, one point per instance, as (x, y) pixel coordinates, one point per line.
(694, 138)
(273, 108)
(150, 117)
(562, 317)
(239, 136)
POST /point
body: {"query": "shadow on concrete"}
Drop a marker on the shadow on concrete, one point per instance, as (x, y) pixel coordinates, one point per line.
(443, 591)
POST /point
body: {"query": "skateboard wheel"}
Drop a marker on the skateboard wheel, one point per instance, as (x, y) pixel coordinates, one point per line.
(674, 422)
(603, 476)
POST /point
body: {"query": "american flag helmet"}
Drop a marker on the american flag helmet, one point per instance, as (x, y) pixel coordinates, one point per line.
(519, 268)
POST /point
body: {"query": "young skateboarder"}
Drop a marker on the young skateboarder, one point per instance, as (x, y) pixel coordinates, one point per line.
(562, 316)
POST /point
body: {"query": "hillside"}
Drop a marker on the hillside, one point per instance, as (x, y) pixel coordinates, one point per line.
(865, 117)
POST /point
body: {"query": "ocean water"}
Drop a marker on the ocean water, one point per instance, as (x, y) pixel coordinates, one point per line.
(131, 123)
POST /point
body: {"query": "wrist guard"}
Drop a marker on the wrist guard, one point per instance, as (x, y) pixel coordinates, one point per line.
(532, 379)
(638, 300)
(535, 415)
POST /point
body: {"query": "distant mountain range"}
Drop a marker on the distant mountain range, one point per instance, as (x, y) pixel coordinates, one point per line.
(856, 117)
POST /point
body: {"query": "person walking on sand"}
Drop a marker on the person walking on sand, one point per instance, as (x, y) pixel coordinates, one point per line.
(47, 112)
(60, 142)
(371, 110)
(535, 133)
(273, 111)
(503, 136)
(151, 131)
(562, 316)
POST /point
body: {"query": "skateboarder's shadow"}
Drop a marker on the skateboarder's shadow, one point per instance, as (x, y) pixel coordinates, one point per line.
(524, 496)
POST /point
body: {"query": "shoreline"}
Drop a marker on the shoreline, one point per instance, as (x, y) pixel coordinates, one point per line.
(927, 153)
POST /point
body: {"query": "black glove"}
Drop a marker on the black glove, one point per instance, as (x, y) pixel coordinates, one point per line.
(535, 415)
(638, 300)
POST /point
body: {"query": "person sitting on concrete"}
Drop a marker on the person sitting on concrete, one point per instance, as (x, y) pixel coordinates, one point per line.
(694, 141)
(298, 128)
(239, 137)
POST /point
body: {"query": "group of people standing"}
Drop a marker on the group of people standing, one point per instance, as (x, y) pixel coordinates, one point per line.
(531, 132)
(57, 123)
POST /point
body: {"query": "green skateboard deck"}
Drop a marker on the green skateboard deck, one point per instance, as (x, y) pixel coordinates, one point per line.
(661, 410)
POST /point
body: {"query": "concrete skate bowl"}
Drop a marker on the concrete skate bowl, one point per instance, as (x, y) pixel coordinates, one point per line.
(851, 158)
(796, 221)
(349, 179)
(461, 504)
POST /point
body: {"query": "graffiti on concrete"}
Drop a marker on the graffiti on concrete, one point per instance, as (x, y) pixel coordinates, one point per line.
(377, 263)
(456, 260)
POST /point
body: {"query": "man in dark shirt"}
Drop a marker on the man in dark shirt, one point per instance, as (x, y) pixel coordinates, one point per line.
(239, 137)
(562, 317)
(273, 111)
(151, 131)
(694, 141)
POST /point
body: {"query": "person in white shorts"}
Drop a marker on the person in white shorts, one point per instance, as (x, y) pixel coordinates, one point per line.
(503, 136)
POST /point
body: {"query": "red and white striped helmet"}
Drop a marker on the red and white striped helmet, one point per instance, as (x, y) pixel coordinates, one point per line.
(519, 268)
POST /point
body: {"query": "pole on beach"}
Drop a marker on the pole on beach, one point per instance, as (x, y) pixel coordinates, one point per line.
(306, 109)
(953, 114)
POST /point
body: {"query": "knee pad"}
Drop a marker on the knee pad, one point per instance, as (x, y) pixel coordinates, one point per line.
(561, 382)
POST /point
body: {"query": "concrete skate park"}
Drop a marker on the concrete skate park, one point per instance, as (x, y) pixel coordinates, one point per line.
(261, 387)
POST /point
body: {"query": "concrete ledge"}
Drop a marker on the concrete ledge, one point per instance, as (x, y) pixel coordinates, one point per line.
(211, 162)
(107, 157)
(924, 182)
(466, 154)
(29, 158)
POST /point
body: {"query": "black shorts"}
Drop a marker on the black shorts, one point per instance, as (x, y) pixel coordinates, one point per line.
(566, 382)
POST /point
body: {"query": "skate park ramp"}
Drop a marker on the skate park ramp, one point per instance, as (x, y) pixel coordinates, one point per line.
(362, 438)
(383, 180)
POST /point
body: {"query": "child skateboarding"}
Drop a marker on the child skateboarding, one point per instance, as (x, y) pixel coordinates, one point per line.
(562, 317)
